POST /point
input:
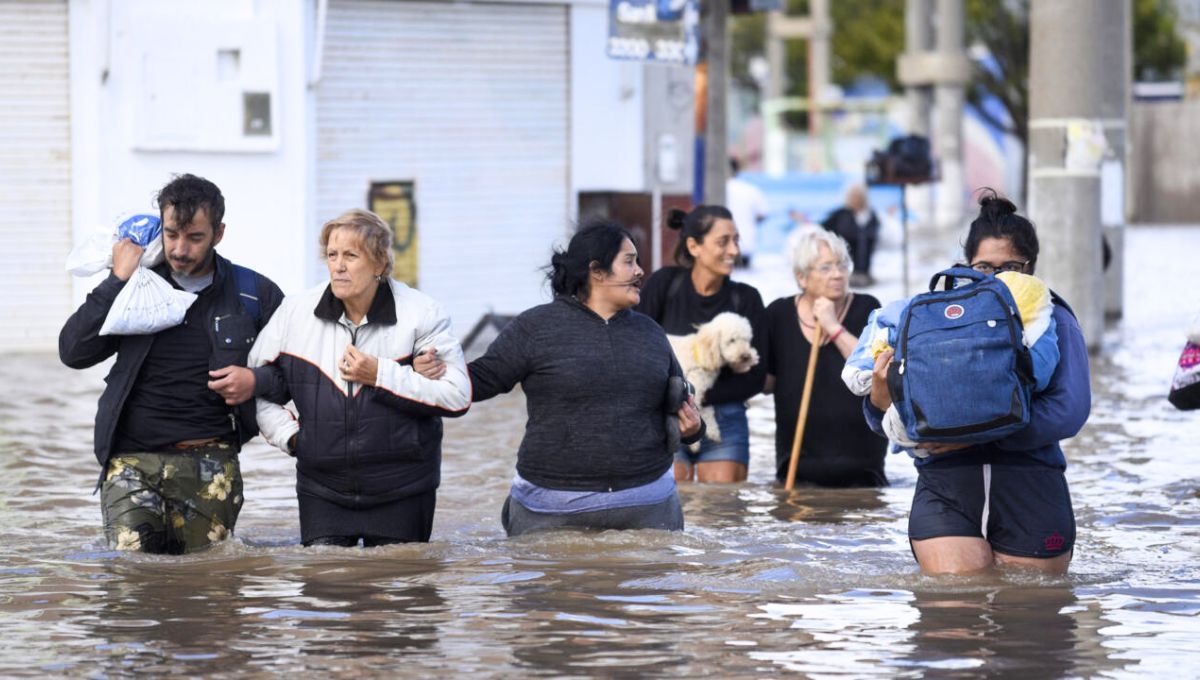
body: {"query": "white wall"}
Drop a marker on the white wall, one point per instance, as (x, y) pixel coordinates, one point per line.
(606, 110)
(122, 56)
(269, 186)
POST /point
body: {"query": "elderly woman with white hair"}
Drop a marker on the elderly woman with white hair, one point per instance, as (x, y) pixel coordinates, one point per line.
(838, 448)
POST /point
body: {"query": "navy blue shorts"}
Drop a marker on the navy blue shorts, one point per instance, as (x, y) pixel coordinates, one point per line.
(1020, 510)
(735, 438)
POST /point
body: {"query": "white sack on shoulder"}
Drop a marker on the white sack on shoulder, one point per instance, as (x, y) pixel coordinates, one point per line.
(94, 254)
(147, 304)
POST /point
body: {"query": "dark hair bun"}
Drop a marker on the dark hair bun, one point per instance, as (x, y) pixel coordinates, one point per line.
(993, 206)
(675, 218)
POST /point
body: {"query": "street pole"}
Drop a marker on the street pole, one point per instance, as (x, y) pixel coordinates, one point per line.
(714, 19)
(1077, 84)
(918, 39)
(948, 100)
(818, 81)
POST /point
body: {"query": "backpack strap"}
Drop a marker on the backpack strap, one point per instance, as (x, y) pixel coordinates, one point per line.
(954, 273)
(247, 285)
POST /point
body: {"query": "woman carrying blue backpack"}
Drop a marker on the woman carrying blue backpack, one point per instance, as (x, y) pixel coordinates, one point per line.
(1002, 502)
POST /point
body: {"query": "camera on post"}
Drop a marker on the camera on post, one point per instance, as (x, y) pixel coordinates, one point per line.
(907, 160)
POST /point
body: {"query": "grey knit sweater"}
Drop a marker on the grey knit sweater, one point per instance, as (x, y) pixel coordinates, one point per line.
(595, 392)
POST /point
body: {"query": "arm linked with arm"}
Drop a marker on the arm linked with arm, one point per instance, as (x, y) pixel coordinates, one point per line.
(405, 390)
(505, 363)
(275, 423)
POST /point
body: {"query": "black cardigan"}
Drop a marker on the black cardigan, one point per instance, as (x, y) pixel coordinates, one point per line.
(595, 392)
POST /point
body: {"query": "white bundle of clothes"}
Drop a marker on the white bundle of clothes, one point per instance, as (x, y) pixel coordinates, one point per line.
(148, 303)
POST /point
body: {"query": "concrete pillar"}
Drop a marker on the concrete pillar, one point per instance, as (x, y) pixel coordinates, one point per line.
(1114, 228)
(948, 100)
(819, 75)
(774, 141)
(1076, 80)
(918, 94)
(714, 20)
(917, 40)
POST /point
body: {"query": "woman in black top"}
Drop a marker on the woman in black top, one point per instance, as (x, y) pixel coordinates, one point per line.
(682, 298)
(599, 383)
(839, 449)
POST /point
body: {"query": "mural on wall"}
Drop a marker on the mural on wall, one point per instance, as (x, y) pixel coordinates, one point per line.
(395, 202)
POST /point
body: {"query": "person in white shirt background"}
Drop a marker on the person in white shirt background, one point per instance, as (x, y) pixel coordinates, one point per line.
(749, 207)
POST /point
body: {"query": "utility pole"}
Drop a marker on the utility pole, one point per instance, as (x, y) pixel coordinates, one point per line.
(818, 79)
(1077, 94)
(945, 69)
(817, 29)
(917, 39)
(714, 18)
(949, 96)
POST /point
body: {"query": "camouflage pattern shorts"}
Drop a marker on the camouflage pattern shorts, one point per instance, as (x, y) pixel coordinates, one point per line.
(171, 502)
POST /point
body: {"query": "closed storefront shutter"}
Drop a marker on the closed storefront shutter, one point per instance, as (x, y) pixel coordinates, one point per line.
(35, 165)
(470, 102)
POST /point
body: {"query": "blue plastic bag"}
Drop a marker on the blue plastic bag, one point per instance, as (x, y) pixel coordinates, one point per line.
(141, 229)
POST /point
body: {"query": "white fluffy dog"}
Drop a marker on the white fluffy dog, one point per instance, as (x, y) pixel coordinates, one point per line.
(724, 341)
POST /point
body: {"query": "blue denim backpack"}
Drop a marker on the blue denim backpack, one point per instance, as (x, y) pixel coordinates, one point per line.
(961, 372)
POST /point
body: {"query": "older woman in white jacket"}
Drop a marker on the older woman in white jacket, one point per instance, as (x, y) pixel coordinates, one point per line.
(367, 434)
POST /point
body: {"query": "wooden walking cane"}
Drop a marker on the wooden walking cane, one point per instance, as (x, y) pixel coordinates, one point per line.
(802, 416)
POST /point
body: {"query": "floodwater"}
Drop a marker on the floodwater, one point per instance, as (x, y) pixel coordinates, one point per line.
(762, 582)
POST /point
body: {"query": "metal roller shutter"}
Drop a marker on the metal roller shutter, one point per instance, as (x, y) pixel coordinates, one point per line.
(35, 165)
(470, 102)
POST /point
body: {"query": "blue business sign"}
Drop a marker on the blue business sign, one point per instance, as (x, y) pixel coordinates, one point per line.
(666, 31)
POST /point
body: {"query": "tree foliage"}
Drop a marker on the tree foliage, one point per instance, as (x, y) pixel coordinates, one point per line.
(1158, 51)
(1003, 28)
(868, 36)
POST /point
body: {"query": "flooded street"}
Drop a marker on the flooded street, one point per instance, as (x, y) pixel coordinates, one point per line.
(762, 582)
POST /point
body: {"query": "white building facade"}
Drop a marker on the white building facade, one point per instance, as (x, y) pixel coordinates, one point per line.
(497, 113)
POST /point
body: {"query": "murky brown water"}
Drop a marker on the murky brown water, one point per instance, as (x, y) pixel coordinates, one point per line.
(819, 582)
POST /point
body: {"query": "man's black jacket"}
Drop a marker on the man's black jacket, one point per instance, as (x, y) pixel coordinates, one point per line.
(80, 345)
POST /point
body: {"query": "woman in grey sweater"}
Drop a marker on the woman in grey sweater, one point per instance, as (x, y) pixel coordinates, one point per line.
(597, 378)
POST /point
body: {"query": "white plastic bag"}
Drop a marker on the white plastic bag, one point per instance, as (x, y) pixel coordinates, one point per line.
(94, 254)
(147, 304)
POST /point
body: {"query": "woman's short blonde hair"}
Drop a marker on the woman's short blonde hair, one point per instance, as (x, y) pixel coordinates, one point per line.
(373, 233)
(806, 248)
